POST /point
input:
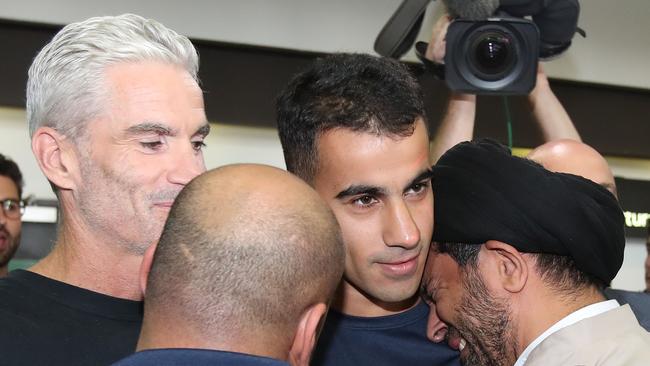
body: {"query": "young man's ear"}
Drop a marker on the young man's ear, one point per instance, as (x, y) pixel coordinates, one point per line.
(56, 157)
(145, 266)
(509, 264)
(307, 334)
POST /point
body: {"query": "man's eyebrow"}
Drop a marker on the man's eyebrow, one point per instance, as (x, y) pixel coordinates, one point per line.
(150, 127)
(424, 175)
(204, 130)
(356, 190)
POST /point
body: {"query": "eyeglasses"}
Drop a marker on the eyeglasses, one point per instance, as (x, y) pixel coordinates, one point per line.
(12, 208)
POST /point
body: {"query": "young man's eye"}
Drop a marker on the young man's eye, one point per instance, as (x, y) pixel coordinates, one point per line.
(419, 188)
(364, 201)
(198, 145)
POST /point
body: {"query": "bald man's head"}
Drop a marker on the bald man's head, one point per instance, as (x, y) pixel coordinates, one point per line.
(245, 250)
(574, 157)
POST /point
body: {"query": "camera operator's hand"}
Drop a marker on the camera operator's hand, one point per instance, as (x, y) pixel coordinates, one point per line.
(550, 115)
(457, 124)
(436, 49)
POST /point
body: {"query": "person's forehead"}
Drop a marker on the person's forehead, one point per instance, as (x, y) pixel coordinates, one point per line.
(152, 82)
(156, 93)
(347, 157)
(8, 188)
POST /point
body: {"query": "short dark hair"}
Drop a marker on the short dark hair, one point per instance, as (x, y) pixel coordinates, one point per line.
(352, 91)
(10, 169)
(463, 254)
(561, 272)
(558, 271)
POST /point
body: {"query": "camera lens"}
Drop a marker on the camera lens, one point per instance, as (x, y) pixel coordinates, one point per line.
(492, 55)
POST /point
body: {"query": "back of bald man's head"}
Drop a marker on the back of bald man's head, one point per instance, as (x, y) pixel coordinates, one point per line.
(577, 158)
(245, 248)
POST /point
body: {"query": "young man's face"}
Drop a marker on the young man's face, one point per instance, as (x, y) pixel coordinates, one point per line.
(379, 188)
(9, 225)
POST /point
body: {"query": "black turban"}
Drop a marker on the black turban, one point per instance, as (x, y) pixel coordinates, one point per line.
(484, 193)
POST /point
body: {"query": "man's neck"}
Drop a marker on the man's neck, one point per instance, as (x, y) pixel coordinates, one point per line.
(4, 271)
(543, 311)
(350, 301)
(165, 330)
(83, 259)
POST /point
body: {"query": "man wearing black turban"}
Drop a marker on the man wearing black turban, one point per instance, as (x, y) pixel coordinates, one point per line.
(519, 258)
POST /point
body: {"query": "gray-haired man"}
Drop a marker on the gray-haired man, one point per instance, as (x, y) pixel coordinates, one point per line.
(117, 124)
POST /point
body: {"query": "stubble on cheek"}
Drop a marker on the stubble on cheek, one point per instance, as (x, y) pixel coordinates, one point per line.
(485, 323)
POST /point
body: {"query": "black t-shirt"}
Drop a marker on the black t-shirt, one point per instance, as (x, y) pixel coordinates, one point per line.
(48, 322)
(398, 339)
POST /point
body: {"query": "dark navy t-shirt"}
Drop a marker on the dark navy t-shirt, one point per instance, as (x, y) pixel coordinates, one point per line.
(398, 339)
(195, 357)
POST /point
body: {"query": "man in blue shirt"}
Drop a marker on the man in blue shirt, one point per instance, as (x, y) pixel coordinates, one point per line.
(243, 273)
(353, 126)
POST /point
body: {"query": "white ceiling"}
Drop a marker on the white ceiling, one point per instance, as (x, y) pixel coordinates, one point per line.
(616, 51)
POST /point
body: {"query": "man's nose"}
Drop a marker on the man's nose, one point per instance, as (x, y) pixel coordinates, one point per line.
(400, 228)
(186, 165)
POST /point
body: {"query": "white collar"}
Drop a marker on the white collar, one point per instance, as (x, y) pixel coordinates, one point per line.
(576, 316)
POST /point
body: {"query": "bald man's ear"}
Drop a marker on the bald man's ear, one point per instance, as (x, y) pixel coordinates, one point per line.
(145, 266)
(306, 335)
(56, 157)
(509, 264)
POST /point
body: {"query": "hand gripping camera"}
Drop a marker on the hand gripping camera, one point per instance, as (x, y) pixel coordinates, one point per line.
(492, 46)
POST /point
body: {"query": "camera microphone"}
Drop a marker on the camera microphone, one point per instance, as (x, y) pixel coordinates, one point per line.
(471, 9)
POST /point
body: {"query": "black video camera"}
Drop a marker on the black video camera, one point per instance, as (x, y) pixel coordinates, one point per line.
(496, 55)
(491, 46)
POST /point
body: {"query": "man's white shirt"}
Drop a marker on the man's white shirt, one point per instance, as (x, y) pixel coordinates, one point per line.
(576, 316)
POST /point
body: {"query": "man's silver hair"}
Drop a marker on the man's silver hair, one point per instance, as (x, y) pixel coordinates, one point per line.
(66, 84)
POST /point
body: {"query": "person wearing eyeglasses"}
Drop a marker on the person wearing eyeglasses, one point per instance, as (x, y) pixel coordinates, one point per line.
(11, 189)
